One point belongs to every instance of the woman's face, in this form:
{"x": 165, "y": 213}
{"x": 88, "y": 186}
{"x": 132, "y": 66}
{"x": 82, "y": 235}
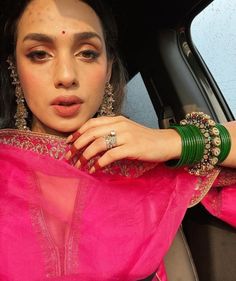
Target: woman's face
{"x": 62, "y": 63}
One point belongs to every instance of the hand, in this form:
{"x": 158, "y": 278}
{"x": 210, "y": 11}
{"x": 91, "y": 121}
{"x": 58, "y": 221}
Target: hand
{"x": 134, "y": 141}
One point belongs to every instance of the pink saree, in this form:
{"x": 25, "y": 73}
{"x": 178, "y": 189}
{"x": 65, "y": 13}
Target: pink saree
{"x": 58, "y": 223}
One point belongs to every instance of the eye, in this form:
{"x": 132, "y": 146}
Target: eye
{"x": 89, "y": 55}
{"x": 38, "y": 56}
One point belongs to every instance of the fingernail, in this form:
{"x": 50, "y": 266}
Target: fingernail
{"x": 73, "y": 150}
{"x": 83, "y": 160}
{"x": 95, "y": 168}
{"x": 92, "y": 170}
{"x": 73, "y": 137}
{"x": 71, "y": 153}
{"x": 69, "y": 139}
{"x": 68, "y": 155}
{"x": 78, "y": 165}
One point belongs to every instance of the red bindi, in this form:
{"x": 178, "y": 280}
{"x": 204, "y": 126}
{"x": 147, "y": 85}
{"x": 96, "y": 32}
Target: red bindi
{"x": 63, "y": 32}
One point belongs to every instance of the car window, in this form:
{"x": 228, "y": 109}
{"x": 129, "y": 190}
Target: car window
{"x": 213, "y": 32}
{"x": 137, "y": 104}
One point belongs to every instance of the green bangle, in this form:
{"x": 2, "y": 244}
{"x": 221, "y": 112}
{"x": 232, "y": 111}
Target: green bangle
{"x": 180, "y": 162}
{"x": 193, "y": 144}
{"x": 212, "y": 141}
{"x": 225, "y": 143}
{"x": 199, "y": 146}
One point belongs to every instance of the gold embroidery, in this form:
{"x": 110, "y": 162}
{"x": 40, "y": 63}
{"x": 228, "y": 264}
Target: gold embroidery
{"x": 129, "y": 168}
{"x": 203, "y": 186}
{"x": 226, "y": 177}
{"x": 216, "y": 201}
{"x": 56, "y": 148}
{"x": 43, "y": 144}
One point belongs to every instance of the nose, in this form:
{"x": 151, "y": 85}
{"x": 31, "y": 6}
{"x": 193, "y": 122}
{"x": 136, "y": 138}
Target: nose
{"x": 65, "y": 75}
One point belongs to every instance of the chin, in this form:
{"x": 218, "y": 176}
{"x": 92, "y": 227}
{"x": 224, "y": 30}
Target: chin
{"x": 66, "y": 128}
{"x": 62, "y": 131}
{"x": 59, "y": 126}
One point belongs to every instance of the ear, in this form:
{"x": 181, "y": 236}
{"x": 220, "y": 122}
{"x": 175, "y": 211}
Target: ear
{"x": 109, "y": 69}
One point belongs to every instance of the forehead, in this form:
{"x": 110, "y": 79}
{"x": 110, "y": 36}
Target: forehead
{"x": 56, "y": 15}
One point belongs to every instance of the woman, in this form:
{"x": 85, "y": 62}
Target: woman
{"x": 80, "y": 201}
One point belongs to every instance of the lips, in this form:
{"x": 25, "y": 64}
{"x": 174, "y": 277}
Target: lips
{"x": 66, "y": 106}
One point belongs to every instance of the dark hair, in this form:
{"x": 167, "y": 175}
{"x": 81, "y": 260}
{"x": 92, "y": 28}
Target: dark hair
{"x": 11, "y": 12}
{"x": 119, "y": 75}
{"x": 9, "y": 18}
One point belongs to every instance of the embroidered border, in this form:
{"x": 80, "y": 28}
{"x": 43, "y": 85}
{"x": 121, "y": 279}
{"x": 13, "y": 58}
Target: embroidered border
{"x": 56, "y": 148}
{"x": 203, "y": 186}
{"x": 226, "y": 177}
{"x": 42, "y": 144}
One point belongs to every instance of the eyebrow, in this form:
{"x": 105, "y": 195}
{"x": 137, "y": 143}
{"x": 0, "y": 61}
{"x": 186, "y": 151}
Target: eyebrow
{"x": 86, "y": 36}
{"x": 40, "y": 37}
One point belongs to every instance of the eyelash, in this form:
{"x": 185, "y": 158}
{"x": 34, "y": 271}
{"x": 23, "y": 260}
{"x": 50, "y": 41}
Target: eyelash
{"x": 40, "y": 55}
{"x": 89, "y": 55}
{"x": 37, "y": 56}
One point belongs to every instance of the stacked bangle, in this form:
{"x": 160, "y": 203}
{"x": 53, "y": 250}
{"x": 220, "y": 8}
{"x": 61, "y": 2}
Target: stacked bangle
{"x": 212, "y": 141}
{"x": 193, "y": 145}
{"x": 225, "y": 143}
{"x": 204, "y": 143}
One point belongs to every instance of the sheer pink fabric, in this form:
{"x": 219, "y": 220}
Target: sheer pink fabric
{"x": 221, "y": 199}
{"x": 58, "y": 223}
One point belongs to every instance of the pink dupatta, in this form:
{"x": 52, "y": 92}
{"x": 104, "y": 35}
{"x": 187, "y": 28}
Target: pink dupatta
{"x": 59, "y": 223}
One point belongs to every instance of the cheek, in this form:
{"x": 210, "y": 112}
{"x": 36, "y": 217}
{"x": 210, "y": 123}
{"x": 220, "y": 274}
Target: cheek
{"x": 33, "y": 86}
{"x": 97, "y": 89}
{"x": 96, "y": 80}
{"x": 29, "y": 80}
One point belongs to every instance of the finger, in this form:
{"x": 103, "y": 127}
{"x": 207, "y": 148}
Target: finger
{"x": 95, "y": 148}
{"x": 90, "y": 136}
{"x": 109, "y": 157}
{"x": 99, "y": 146}
{"x": 99, "y": 121}
{"x": 93, "y": 123}
{"x": 81, "y": 162}
{"x": 73, "y": 137}
{"x": 97, "y": 166}
{"x": 71, "y": 153}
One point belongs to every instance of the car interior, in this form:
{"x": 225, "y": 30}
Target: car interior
{"x": 155, "y": 43}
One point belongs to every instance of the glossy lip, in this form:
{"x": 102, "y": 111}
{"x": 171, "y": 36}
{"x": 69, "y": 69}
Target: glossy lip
{"x": 66, "y": 106}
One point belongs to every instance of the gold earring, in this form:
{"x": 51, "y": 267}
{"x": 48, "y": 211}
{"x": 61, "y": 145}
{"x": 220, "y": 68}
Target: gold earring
{"x": 106, "y": 108}
{"x": 21, "y": 111}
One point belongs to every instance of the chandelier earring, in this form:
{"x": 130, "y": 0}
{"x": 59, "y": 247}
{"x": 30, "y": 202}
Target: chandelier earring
{"x": 106, "y": 108}
{"x": 21, "y": 111}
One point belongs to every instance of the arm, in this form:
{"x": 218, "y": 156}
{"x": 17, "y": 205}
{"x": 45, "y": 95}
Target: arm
{"x": 133, "y": 141}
